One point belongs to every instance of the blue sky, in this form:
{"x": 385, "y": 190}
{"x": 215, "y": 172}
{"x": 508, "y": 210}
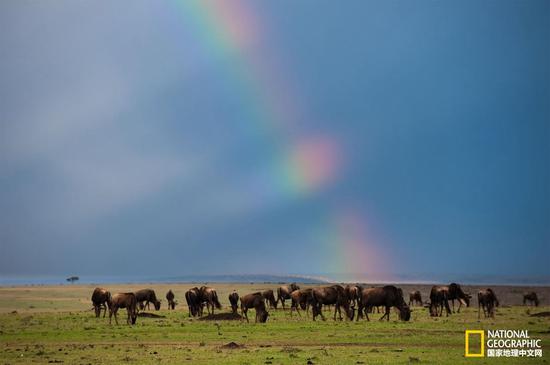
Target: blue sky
{"x": 125, "y": 143}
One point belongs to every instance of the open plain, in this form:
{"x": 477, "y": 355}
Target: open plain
{"x": 55, "y": 324}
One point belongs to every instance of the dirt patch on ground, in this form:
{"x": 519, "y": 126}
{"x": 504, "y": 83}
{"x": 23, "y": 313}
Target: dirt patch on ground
{"x": 222, "y": 317}
{"x": 540, "y": 314}
{"x": 232, "y": 346}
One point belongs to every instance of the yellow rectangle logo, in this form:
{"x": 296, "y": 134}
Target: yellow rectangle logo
{"x": 467, "y": 352}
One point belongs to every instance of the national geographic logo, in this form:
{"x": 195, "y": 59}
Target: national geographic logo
{"x": 501, "y": 343}
{"x": 474, "y": 333}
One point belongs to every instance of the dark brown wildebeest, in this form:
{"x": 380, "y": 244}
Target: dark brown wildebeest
{"x": 415, "y": 297}
{"x": 269, "y": 298}
{"x": 210, "y": 297}
{"x": 194, "y": 302}
{"x": 234, "y": 300}
{"x": 101, "y": 298}
{"x": 283, "y": 292}
{"x": 301, "y": 298}
{"x": 335, "y": 294}
{"x": 147, "y": 296}
{"x": 439, "y": 298}
{"x": 124, "y": 300}
{"x": 256, "y": 301}
{"x": 170, "y": 298}
{"x": 487, "y": 300}
{"x": 387, "y": 296}
{"x": 353, "y": 292}
{"x": 531, "y": 297}
{"x": 455, "y": 292}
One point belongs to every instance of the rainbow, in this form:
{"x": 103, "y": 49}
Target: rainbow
{"x": 231, "y": 33}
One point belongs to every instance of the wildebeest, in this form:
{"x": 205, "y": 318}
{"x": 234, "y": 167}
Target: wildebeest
{"x": 234, "y": 300}
{"x": 335, "y": 294}
{"x": 170, "y": 299}
{"x": 415, "y": 297}
{"x": 353, "y": 293}
{"x": 147, "y": 296}
{"x": 301, "y": 298}
{"x": 439, "y": 298}
{"x": 269, "y": 298}
{"x": 283, "y": 292}
{"x": 387, "y": 296}
{"x": 101, "y": 298}
{"x": 194, "y": 302}
{"x": 486, "y": 300}
{"x": 455, "y": 292}
{"x": 124, "y": 300}
{"x": 210, "y": 297}
{"x": 256, "y": 301}
{"x": 531, "y": 297}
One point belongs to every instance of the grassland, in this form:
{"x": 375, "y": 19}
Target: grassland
{"x": 56, "y": 325}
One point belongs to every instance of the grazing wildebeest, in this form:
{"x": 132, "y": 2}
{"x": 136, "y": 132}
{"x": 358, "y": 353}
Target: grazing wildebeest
{"x": 101, "y": 298}
{"x": 301, "y": 298}
{"x": 147, "y": 296}
{"x": 194, "y": 302}
{"x": 387, "y": 296}
{"x": 170, "y": 298}
{"x": 335, "y": 294}
{"x": 124, "y": 300}
{"x": 234, "y": 300}
{"x": 210, "y": 297}
{"x": 353, "y": 292}
{"x": 283, "y": 292}
{"x": 269, "y": 298}
{"x": 487, "y": 300}
{"x": 415, "y": 297}
{"x": 531, "y": 297}
{"x": 455, "y": 292}
{"x": 439, "y": 298}
{"x": 256, "y": 301}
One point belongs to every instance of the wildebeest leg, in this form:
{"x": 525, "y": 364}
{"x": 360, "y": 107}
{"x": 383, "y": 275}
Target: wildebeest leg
{"x": 337, "y": 308}
{"x": 104, "y": 310}
{"x": 321, "y": 311}
{"x": 116, "y": 318}
{"x": 387, "y": 314}
{"x": 478, "y": 310}
{"x": 128, "y": 320}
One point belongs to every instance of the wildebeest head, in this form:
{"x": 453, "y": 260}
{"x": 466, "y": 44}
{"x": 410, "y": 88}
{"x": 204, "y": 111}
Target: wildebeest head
{"x": 263, "y": 316}
{"x": 157, "y": 305}
{"x": 405, "y": 313}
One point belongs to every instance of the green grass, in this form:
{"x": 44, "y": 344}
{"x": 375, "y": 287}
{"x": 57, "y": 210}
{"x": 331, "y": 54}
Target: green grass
{"x": 79, "y": 338}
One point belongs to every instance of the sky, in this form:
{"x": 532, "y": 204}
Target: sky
{"x": 371, "y": 138}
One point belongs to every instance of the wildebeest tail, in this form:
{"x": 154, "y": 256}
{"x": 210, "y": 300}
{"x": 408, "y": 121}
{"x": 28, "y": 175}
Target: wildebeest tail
{"x": 216, "y": 301}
